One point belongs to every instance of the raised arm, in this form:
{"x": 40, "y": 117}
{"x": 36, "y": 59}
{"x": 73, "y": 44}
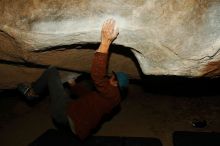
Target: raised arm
{"x": 109, "y": 33}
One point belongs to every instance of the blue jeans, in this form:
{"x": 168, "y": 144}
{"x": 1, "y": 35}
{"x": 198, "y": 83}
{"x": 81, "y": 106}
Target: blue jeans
{"x": 51, "y": 81}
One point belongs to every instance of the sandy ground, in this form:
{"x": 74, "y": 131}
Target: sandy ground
{"x": 145, "y": 112}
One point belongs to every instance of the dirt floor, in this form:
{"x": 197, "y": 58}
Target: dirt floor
{"x": 154, "y": 109}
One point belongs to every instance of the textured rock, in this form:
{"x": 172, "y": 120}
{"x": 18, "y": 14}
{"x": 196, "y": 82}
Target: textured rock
{"x": 168, "y": 37}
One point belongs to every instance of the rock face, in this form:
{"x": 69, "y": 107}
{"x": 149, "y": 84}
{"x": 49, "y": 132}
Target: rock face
{"x": 167, "y": 37}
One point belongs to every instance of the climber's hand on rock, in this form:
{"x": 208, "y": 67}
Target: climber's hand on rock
{"x": 109, "y": 31}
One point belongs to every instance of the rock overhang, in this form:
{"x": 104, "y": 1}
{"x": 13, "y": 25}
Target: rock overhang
{"x": 167, "y": 37}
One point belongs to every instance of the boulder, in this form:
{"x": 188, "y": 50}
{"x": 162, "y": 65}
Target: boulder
{"x": 166, "y": 37}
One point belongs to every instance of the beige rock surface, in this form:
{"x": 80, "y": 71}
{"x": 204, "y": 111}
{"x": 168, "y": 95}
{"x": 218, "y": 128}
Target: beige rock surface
{"x": 167, "y": 37}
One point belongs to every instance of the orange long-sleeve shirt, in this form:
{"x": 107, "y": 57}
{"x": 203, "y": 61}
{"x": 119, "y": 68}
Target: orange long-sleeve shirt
{"x": 87, "y": 111}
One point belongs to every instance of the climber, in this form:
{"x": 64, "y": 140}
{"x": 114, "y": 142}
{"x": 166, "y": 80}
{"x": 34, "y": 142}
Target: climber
{"x": 83, "y": 114}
